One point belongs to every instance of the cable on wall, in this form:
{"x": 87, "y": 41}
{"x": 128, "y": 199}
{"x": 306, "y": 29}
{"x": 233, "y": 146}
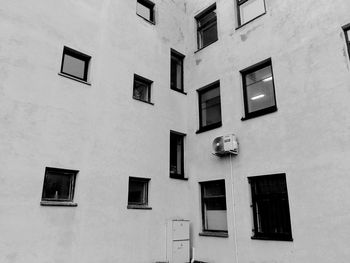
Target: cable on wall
{"x": 233, "y": 211}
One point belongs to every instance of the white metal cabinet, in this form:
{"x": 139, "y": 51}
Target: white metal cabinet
{"x": 178, "y": 241}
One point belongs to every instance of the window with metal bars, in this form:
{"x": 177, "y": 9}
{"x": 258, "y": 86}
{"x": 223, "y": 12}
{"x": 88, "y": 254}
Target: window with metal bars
{"x": 248, "y": 10}
{"x": 270, "y": 207}
{"x": 207, "y": 31}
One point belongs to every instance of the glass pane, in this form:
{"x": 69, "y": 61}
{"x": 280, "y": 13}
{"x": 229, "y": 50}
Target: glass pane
{"x": 273, "y": 216}
{"x": 270, "y": 185}
{"x": 176, "y": 73}
{"x": 209, "y": 35}
{"x": 260, "y": 89}
{"x": 214, "y": 189}
{"x": 57, "y": 186}
{"x": 137, "y": 192}
{"x": 263, "y": 74}
{"x": 211, "y": 16}
{"x": 143, "y": 11}
{"x": 210, "y": 107}
{"x": 176, "y": 145}
{"x": 348, "y": 35}
{"x": 215, "y": 207}
{"x": 251, "y": 9}
{"x": 73, "y": 66}
{"x": 216, "y": 220}
{"x": 141, "y": 91}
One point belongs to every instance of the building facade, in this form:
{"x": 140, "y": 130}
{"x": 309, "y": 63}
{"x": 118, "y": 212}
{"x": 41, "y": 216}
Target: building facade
{"x": 108, "y": 112}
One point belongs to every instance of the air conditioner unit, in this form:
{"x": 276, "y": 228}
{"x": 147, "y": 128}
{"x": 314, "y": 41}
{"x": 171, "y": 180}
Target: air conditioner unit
{"x": 224, "y": 145}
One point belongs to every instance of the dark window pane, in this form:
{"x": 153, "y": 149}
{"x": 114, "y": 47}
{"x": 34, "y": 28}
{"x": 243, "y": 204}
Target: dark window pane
{"x": 209, "y": 35}
{"x": 176, "y": 73}
{"x": 210, "y": 107}
{"x": 176, "y": 151}
{"x": 207, "y": 27}
{"x": 218, "y": 203}
{"x": 142, "y": 89}
{"x": 347, "y": 32}
{"x": 138, "y": 191}
{"x": 58, "y": 185}
{"x": 206, "y": 19}
{"x": 214, "y": 189}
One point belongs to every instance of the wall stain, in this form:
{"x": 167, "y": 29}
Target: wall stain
{"x": 11, "y": 257}
{"x": 198, "y": 61}
{"x": 244, "y": 37}
{"x": 166, "y": 40}
{"x": 345, "y": 55}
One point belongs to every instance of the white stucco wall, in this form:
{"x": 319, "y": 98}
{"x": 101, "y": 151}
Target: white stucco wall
{"x": 307, "y": 138}
{"x": 48, "y": 120}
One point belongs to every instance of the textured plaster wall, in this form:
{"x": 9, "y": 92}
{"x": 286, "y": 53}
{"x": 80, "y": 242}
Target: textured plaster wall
{"x": 49, "y": 120}
{"x": 307, "y": 138}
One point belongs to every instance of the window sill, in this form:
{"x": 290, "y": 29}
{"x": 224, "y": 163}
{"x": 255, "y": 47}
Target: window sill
{"x": 259, "y": 113}
{"x": 209, "y": 127}
{"x": 144, "y": 207}
{"x": 180, "y": 91}
{"x": 205, "y": 46}
{"x": 178, "y": 176}
{"x": 250, "y": 21}
{"x": 272, "y": 238}
{"x": 148, "y": 102}
{"x": 76, "y": 79}
{"x": 58, "y": 203}
{"x": 214, "y": 234}
{"x": 149, "y": 21}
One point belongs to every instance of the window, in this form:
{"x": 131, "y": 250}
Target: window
{"x": 176, "y": 71}
{"x": 209, "y": 107}
{"x": 346, "y": 29}
{"x": 207, "y": 31}
{"x": 145, "y": 9}
{"x": 75, "y": 64}
{"x": 177, "y": 155}
{"x": 138, "y": 193}
{"x": 58, "y": 187}
{"x": 249, "y": 10}
{"x": 258, "y": 90}
{"x": 270, "y": 207}
{"x": 142, "y": 89}
{"x": 214, "y": 206}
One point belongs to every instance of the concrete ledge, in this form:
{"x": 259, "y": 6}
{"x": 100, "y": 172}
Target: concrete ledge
{"x": 214, "y": 234}
{"x": 58, "y": 203}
